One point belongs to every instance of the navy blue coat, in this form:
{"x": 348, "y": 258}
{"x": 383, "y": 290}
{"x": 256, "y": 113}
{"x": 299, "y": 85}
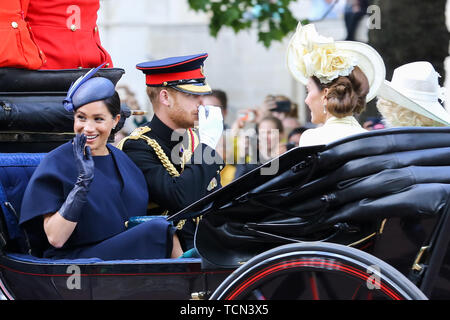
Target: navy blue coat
{"x": 117, "y": 192}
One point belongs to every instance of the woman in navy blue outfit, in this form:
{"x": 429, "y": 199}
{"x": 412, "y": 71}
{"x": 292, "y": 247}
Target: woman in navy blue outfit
{"x": 80, "y": 196}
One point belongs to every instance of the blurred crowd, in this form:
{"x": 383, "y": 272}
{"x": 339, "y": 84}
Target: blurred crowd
{"x": 255, "y": 136}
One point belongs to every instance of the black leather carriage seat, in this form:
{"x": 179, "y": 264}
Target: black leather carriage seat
{"x": 31, "y": 100}
{"x": 15, "y": 172}
{"x": 56, "y": 81}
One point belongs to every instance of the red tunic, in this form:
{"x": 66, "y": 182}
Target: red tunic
{"x": 67, "y": 33}
{"x": 17, "y": 48}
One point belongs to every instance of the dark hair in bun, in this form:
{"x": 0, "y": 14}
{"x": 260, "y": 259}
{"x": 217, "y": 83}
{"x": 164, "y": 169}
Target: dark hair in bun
{"x": 346, "y": 95}
{"x": 113, "y": 104}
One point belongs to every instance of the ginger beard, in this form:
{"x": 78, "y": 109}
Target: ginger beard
{"x": 183, "y": 110}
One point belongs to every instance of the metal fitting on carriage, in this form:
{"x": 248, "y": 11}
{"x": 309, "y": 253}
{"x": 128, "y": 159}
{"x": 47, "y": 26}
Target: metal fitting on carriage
{"x": 6, "y": 106}
{"x": 418, "y": 266}
{"x": 201, "y": 295}
{"x": 329, "y": 198}
{"x": 344, "y": 226}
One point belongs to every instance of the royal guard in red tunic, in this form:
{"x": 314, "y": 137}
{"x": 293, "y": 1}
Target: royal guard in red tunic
{"x": 67, "y": 33}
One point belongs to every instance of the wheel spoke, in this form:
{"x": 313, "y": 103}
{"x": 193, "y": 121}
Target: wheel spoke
{"x": 325, "y": 283}
{"x": 313, "y": 284}
{"x": 355, "y": 294}
{"x": 258, "y": 295}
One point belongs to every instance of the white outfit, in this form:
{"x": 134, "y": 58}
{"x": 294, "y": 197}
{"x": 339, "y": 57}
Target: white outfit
{"x": 333, "y": 129}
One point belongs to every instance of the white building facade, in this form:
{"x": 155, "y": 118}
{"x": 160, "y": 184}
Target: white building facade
{"x": 134, "y": 31}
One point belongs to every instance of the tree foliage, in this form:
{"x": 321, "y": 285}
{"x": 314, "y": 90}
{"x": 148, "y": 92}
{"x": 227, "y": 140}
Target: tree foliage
{"x": 272, "y": 18}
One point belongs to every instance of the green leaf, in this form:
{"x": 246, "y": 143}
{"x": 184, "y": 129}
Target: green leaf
{"x": 231, "y": 15}
{"x": 198, "y": 4}
{"x": 265, "y": 38}
{"x": 215, "y": 25}
{"x": 274, "y": 14}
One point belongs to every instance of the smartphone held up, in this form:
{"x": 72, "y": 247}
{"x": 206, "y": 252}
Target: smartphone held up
{"x": 247, "y": 116}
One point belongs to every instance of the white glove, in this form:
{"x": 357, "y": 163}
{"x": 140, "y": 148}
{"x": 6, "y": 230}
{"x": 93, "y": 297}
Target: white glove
{"x": 210, "y": 125}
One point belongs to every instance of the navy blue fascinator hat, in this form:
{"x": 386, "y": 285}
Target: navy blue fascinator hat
{"x": 87, "y": 89}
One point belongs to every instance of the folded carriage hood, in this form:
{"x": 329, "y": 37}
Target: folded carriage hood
{"x": 356, "y": 182}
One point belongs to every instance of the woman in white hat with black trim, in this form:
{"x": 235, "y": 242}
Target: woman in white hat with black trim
{"x": 412, "y": 97}
{"x": 340, "y": 77}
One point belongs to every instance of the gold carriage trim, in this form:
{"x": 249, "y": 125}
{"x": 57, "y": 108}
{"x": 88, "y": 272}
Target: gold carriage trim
{"x": 380, "y": 231}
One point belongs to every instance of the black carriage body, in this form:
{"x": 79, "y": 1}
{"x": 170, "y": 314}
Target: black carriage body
{"x": 32, "y": 123}
{"x": 308, "y": 198}
{"x": 24, "y": 277}
{"x": 385, "y": 192}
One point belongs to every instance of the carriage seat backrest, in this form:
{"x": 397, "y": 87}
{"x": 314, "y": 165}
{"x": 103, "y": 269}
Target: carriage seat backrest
{"x": 15, "y": 172}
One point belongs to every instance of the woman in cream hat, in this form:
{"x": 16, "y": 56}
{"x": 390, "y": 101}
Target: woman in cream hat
{"x": 340, "y": 77}
{"x": 412, "y": 97}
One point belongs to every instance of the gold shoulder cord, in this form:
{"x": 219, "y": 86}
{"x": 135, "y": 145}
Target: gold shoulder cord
{"x": 138, "y": 133}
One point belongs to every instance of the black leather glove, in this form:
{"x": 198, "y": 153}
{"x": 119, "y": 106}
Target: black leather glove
{"x": 72, "y": 207}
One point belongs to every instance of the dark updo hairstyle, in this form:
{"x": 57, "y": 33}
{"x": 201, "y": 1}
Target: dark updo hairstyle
{"x": 113, "y": 105}
{"x": 346, "y": 95}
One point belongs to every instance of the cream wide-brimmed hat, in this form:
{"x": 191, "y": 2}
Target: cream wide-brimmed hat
{"x": 415, "y": 86}
{"x": 310, "y": 54}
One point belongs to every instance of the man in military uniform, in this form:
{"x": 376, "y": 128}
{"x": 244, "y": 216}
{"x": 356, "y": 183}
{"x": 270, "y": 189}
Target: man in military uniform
{"x": 179, "y": 163}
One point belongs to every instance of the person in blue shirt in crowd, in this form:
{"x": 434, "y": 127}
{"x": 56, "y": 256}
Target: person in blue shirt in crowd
{"x": 80, "y": 197}
{"x": 324, "y": 9}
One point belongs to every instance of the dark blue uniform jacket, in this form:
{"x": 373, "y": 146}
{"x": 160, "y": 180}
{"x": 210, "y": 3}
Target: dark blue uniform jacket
{"x": 174, "y": 193}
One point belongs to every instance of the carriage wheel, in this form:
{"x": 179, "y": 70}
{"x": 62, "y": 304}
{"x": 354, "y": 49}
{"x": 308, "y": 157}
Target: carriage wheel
{"x": 316, "y": 271}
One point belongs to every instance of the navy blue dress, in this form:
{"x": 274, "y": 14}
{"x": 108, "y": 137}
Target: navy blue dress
{"x": 117, "y": 192}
